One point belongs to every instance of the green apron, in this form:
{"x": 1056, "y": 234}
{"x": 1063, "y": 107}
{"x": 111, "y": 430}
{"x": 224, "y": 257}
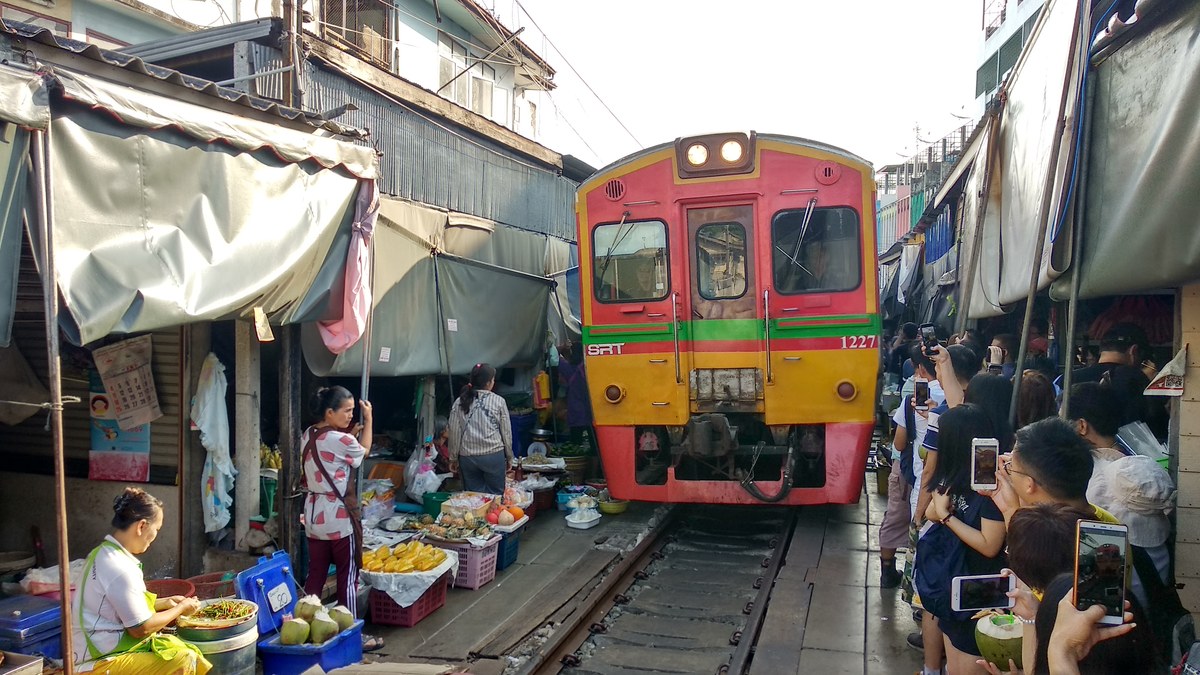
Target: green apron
{"x": 165, "y": 646}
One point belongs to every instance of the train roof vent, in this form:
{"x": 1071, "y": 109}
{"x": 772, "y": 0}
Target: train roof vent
{"x": 828, "y": 173}
{"x": 614, "y": 189}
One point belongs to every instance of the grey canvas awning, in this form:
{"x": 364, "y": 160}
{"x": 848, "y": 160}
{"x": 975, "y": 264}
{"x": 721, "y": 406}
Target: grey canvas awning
{"x": 1143, "y": 191}
{"x": 201, "y": 225}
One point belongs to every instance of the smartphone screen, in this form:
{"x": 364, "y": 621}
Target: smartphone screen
{"x": 921, "y": 393}
{"x": 1100, "y": 555}
{"x": 984, "y": 455}
{"x": 982, "y": 592}
{"x": 929, "y": 336}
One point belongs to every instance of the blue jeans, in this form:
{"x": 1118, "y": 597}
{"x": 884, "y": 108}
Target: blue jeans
{"x": 483, "y": 473}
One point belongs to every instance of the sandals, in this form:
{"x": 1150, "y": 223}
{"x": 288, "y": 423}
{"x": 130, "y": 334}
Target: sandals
{"x": 371, "y": 643}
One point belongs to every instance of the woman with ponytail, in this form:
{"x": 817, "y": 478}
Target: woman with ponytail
{"x": 332, "y": 449}
{"x": 116, "y": 621}
{"x": 481, "y": 433}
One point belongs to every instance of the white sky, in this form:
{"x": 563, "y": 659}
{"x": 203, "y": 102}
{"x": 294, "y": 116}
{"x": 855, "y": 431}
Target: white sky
{"x": 858, "y": 74}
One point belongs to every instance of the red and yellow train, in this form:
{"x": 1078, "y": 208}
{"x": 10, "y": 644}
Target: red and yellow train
{"x": 731, "y": 325}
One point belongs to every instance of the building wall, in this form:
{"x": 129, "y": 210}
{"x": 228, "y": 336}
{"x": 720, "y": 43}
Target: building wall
{"x": 1018, "y": 22}
{"x": 1187, "y": 545}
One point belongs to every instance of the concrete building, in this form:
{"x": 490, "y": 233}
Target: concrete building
{"x": 1006, "y": 26}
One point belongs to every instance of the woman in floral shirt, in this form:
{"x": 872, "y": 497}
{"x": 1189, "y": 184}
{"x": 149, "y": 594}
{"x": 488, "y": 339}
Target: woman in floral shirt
{"x": 331, "y": 451}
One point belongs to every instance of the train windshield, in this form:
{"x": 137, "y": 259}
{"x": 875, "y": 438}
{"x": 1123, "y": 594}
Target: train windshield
{"x": 630, "y": 261}
{"x": 824, "y": 257}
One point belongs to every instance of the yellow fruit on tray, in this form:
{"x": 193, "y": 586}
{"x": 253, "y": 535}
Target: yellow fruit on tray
{"x": 382, "y": 552}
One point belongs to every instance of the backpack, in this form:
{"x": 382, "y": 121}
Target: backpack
{"x": 940, "y": 557}
{"x": 1170, "y": 622}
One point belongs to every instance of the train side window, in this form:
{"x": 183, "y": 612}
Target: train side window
{"x": 823, "y": 257}
{"x": 629, "y": 262}
{"x": 721, "y": 260}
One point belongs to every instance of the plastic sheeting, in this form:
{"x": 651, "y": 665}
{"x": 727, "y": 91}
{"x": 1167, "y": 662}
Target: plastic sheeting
{"x": 193, "y": 231}
{"x": 484, "y": 296}
{"x": 1024, "y": 142}
{"x": 1143, "y": 191}
{"x": 14, "y": 178}
{"x": 23, "y": 98}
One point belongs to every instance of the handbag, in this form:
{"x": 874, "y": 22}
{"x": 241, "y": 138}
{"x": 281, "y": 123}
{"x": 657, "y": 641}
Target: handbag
{"x": 349, "y": 499}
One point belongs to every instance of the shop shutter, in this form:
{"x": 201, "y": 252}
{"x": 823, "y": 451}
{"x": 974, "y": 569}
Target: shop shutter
{"x": 28, "y": 445}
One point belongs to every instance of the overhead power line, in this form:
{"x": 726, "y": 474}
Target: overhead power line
{"x": 577, "y": 74}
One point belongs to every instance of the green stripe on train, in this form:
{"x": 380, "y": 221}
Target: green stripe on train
{"x": 735, "y": 330}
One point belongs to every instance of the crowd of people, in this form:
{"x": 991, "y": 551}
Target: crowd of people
{"x": 1055, "y": 468}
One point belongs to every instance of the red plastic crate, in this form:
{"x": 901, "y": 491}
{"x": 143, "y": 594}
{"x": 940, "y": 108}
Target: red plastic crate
{"x": 385, "y": 611}
{"x": 476, "y": 566}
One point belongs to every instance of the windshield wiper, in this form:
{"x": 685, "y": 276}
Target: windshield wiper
{"x": 812, "y": 204}
{"x": 611, "y": 249}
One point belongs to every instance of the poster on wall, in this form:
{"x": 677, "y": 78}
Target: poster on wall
{"x": 128, "y": 378}
{"x": 117, "y": 454}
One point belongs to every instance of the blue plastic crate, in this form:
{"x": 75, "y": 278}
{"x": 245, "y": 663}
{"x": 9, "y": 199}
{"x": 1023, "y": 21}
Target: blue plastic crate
{"x": 342, "y": 650}
{"x": 47, "y": 644}
{"x": 509, "y": 543}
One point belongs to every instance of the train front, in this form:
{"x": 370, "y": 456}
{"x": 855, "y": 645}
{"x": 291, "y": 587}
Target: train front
{"x": 731, "y": 325}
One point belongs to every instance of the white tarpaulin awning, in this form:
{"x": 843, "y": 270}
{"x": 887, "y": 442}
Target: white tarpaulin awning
{"x": 1024, "y": 142}
{"x": 23, "y": 98}
{"x": 198, "y": 226}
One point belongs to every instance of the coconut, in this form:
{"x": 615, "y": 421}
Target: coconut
{"x": 293, "y": 632}
{"x": 308, "y": 606}
{"x": 342, "y": 616}
{"x": 998, "y": 637}
{"x": 323, "y": 628}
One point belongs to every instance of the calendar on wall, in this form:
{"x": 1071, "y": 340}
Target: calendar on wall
{"x": 125, "y": 369}
{"x": 117, "y": 454}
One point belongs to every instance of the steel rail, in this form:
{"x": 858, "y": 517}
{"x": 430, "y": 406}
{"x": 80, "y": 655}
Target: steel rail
{"x": 745, "y": 647}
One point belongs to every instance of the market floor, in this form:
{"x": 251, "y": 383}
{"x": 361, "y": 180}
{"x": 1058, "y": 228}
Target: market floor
{"x": 827, "y": 613}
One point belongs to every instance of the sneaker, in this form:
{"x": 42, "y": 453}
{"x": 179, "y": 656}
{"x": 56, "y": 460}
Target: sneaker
{"x": 916, "y": 641}
{"x": 889, "y": 577}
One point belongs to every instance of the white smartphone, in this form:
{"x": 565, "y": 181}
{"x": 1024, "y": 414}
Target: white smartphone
{"x": 921, "y": 394}
{"x": 985, "y": 453}
{"x": 984, "y": 591}
{"x": 1101, "y": 552}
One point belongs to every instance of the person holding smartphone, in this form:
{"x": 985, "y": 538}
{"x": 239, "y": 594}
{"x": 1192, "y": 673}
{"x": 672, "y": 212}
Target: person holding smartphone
{"x": 969, "y": 516}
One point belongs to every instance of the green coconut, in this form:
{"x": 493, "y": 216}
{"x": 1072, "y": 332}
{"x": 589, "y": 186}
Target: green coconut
{"x": 342, "y": 616}
{"x": 293, "y": 632}
{"x": 998, "y": 637}
{"x": 308, "y": 606}
{"x": 322, "y": 628}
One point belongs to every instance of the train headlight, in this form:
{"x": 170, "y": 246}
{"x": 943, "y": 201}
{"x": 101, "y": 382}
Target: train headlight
{"x": 613, "y": 393}
{"x": 846, "y": 390}
{"x": 732, "y": 151}
{"x": 697, "y": 154}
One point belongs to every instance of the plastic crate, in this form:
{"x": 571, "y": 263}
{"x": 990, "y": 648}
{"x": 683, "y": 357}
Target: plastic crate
{"x": 344, "y": 649}
{"x": 476, "y": 566}
{"x": 214, "y": 585}
{"x": 48, "y": 645}
{"x": 507, "y": 555}
{"x": 385, "y": 611}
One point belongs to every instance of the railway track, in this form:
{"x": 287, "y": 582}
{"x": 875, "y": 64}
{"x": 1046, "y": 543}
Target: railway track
{"x": 691, "y": 601}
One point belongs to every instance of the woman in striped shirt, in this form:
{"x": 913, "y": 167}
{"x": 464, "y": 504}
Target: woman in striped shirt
{"x": 481, "y": 433}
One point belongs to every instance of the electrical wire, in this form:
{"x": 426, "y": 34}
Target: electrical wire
{"x": 581, "y": 79}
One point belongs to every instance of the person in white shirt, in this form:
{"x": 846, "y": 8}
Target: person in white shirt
{"x": 116, "y": 621}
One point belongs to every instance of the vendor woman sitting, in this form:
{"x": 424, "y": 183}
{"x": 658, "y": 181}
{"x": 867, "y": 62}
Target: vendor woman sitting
{"x": 116, "y": 621}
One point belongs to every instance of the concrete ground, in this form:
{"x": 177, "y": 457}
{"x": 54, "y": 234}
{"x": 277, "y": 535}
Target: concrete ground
{"x": 827, "y": 614}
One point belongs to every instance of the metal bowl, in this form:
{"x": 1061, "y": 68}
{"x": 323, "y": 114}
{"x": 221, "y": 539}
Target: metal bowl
{"x": 193, "y": 633}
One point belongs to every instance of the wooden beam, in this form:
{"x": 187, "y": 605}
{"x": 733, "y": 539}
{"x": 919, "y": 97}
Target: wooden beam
{"x": 429, "y": 102}
{"x": 290, "y": 414}
{"x": 247, "y": 405}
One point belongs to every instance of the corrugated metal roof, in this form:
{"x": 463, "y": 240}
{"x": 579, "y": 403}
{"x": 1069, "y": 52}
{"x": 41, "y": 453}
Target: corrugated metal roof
{"x": 432, "y": 161}
{"x": 268, "y": 29}
{"x": 22, "y": 31}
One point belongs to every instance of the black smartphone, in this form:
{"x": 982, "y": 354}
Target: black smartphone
{"x": 929, "y": 337}
{"x": 921, "y": 394}
{"x": 1100, "y": 559}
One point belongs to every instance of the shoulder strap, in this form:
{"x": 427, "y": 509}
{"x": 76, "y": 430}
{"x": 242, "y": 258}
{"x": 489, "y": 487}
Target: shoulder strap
{"x": 310, "y": 450}
{"x": 910, "y": 422}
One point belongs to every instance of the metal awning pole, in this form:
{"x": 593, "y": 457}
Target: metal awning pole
{"x": 45, "y": 199}
{"x": 1077, "y": 250}
{"x": 364, "y": 385}
{"x": 1060, "y": 126}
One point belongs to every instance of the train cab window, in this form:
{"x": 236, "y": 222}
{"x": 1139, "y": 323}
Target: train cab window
{"x": 822, "y": 255}
{"x": 721, "y": 260}
{"x": 629, "y": 261}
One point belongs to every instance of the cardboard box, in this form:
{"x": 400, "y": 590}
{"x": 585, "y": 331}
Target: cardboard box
{"x": 20, "y": 664}
{"x": 460, "y": 503}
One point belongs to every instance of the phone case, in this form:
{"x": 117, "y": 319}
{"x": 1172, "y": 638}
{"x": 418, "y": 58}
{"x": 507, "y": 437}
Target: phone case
{"x": 1109, "y": 556}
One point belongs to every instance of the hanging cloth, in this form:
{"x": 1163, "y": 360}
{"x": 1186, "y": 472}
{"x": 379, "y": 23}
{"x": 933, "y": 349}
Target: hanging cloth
{"x": 211, "y": 417}
{"x": 341, "y": 334}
